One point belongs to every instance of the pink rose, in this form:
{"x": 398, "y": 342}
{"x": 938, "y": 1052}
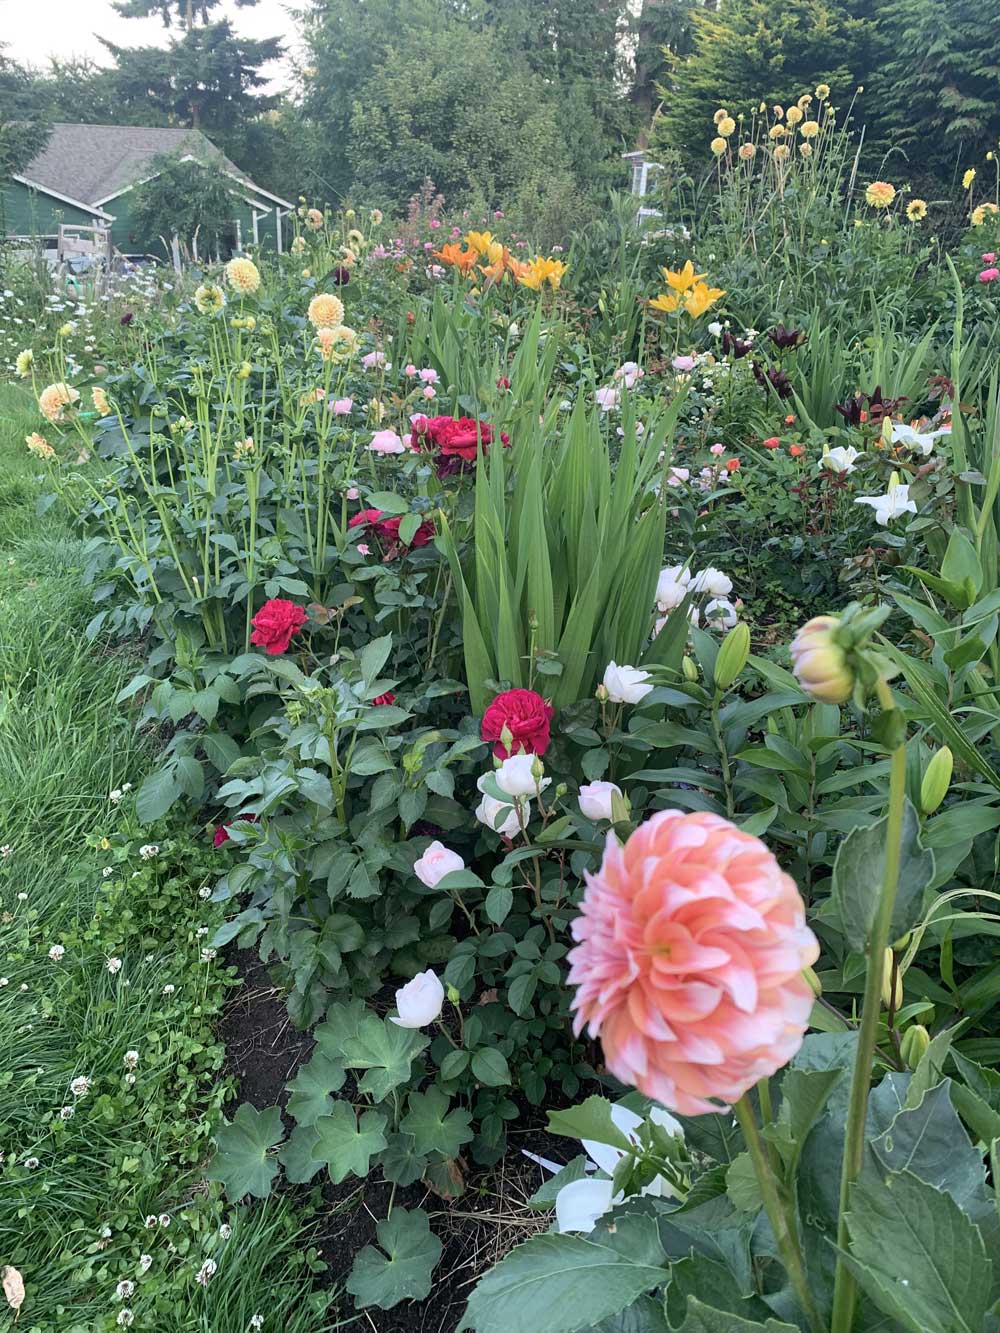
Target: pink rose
{"x": 386, "y": 442}
{"x": 342, "y": 407}
{"x": 989, "y": 275}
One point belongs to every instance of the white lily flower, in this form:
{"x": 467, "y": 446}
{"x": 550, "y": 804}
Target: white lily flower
{"x": 840, "y": 459}
{"x": 915, "y": 439}
{"x": 581, "y": 1203}
{"x": 896, "y": 501}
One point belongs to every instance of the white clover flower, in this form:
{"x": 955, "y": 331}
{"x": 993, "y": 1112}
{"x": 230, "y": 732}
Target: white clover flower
{"x": 169, "y": 989}
{"x": 22, "y": 897}
{"x": 151, "y": 1220}
{"x": 205, "y": 1272}
{"x": 256, "y": 1323}
{"x": 130, "y": 1079}
{"x": 67, "y": 1113}
{"x": 208, "y": 954}
{"x": 124, "y": 1289}
{"x": 130, "y": 1059}
{"x": 105, "y": 1233}
{"x": 205, "y": 892}
{"x": 6, "y": 850}
{"x": 145, "y": 1263}
{"x": 125, "y": 1318}
{"x": 164, "y": 1219}
{"x": 201, "y": 932}
{"x": 108, "y": 871}
{"x": 56, "y": 952}
{"x": 31, "y": 1163}
{"x": 225, "y": 1231}
{"x": 80, "y": 1086}
{"x": 114, "y": 966}
{"x": 115, "y": 796}
{"x": 4, "y": 981}
{"x": 148, "y": 851}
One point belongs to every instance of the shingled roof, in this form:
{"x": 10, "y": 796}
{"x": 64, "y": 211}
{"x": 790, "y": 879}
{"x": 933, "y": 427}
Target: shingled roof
{"x": 93, "y": 163}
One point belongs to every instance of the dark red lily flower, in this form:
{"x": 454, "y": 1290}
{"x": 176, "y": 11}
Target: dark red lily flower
{"x": 736, "y": 347}
{"x": 784, "y": 338}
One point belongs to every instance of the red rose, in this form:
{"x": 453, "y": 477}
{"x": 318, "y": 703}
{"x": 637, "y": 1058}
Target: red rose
{"x": 526, "y": 717}
{"x": 275, "y": 623}
{"x": 222, "y": 832}
{"x": 388, "y": 529}
{"x": 387, "y": 698}
{"x": 454, "y": 438}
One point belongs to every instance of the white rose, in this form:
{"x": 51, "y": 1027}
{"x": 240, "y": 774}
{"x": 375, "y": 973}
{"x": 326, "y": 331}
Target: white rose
{"x": 419, "y": 1002}
{"x": 520, "y": 775}
{"x": 714, "y": 582}
{"x": 436, "y": 862}
{"x": 721, "y": 613}
{"x": 626, "y": 684}
{"x": 596, "y": 798}
{"x": 489, "y": 810}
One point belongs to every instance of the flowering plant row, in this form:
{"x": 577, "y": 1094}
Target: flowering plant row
{"x": 450, "y": 638}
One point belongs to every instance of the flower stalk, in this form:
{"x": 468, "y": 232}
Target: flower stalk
{"x": 845, "y": 1289}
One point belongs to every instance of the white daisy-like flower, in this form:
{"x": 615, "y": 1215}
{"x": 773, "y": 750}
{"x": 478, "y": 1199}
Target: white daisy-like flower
{"x": 151, "y": 1220}
{"x": 164, "y": 1219}
{"x": 114, "y": 966}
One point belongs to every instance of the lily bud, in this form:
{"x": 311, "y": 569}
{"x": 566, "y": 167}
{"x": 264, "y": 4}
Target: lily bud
{"x": 732, "y": 656}
{"x": 892, "y": 996}
{"x": 913, "y": 1047}
{"x": 690, "y": 669}
{"x": 453, "y": 993}
{"x": 820, "y": 663}
{"x": 602, "y": 693}
{"x": 815, "y": 985}
{"x": 936, "y": 781}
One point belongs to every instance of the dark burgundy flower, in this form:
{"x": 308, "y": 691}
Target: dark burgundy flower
{"x": 736, "y": 347}
{"x": 851, "y": 409}
{"x": 387, "y": 530}
{"x": 341, "y": 276}
{"x": 774, "y": 377}
{"x": 275, "y": 623}
{"x": 127, "y": 318}
{"x": 784, "y": 338}
{"x": 222, "y": 832}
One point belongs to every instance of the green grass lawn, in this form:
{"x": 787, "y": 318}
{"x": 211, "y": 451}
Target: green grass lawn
{"x": 111, "y": 1079}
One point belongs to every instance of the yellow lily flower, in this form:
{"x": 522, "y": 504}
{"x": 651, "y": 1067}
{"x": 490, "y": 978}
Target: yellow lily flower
{"x": 683, "y": 278}
{"x": 541, "y": 270}
{"x": 666, "y": 302}
{"x": 701, "y": 298}
{"x": 479, "y": 240}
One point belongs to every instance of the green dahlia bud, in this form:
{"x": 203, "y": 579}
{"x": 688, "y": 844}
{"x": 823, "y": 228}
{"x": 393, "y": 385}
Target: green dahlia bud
{"x": 820, "y": 663}
{"x": 732, "y": 656}
{"x": 936, "y": 781}
{"x": 915, "y": 1041}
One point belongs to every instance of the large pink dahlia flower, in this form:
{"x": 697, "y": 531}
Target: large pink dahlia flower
{"x": 688, "y": 966}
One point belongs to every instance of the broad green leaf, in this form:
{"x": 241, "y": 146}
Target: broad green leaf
{"x": 385, "y": 1050}
{"x": 309, "y": 1092}
{"x": 705, "y": 1280}
{"x": 804, "y": 1094}
{"x": 545, "y": 1195}
{"x": 702, "y": 1318}
{"x": 857, "y": 878}
{"x": 741, "y": 1185}
{"x": 158, "y": 792}
{"x": 298, "y": 1155}
{"x": 643, "y": 1316}
{"x": 433, "y": 1126}
{"x": 489, "y": 1067}
{"x": 243, "y": 1163}
{"x": 929, "y": 1141}
{"x": 917, "y": 1256}
{"x": 347, "y": 1144}
{"x": 559, "y": 1283}
{"x": 590, "y": 1120}
{"x": 374, "y": 656}
{"x": 400, "y": 1162}
{"x": 402, "y": 1269}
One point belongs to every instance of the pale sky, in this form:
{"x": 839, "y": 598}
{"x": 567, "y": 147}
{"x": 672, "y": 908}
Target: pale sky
{"x": 34, "y": 29}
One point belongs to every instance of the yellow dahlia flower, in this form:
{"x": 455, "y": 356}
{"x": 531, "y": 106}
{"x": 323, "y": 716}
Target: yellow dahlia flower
{"x": 916, "y": 210}
{"x": 880, "y": 194}
{"x": 726, "y": 126}
{"x": 209, "y": 299}
{"x": 23, "y": 363}
{"x": 806, "y": 149}
{"x": 100, "y": 401}
{"x": 968, "y": 178}
{"x": 314, "y": 219}
{"x": 720, "y": 115}
{"x": 243, "y": 276}
{"x": 718, "y": 146}
{"x": 810, "y": 128}
{"x": 747, "y": 152}
{"x": 336, "y": 344}
{"x": 794, "y": 115}
{"x": 777, "y": 132}
{"x": 822, "y": 91}
{"x": 39, "y": 446}
{"x": 978, "y": 215}
{"x": 326, "y": 311}
{"x": 53, "y": 400}
{"x": 298, "y": 245}
{"x": 781, "y": 152}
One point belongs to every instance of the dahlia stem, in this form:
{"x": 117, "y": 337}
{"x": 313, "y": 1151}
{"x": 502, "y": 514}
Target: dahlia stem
{"x": 788, "y": 1245}
{"x": 844, "y": 1287}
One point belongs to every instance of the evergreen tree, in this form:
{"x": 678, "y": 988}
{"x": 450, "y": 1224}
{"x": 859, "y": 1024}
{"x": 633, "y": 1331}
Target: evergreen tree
{"x": 185, "y": 13}
{"x": 938, "y": 88}
{"x": 24, "y": 118}
{"x": 770, "y": 50}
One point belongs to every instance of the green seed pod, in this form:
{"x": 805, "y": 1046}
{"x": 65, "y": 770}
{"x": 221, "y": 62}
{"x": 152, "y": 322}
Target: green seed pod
{"x": 892, "y": 997}
{"x": 937, "y": 780}
{"x": 690, "y": 669}
{"x": 733, "y": 654}
{"x": 915, "y": 1041}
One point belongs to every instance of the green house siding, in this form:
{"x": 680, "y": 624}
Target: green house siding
{"x": 27, "y": 212}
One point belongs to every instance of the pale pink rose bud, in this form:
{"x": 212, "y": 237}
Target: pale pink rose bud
{"x": 352, "y": 492}
{"x": 430, "y": 391}
{"x": 596, "y": 799}
{"x": 820, "y": 663}
{"x": 436, "y": 862}
{"x": 386, "y": 442}
{"x": 410, "y": 370}
{"x": 342, "y": 407}
{"x": 419, "y": 1002}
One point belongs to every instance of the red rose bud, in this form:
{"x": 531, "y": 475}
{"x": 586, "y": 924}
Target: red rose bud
{"x": 387, "y": 698}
